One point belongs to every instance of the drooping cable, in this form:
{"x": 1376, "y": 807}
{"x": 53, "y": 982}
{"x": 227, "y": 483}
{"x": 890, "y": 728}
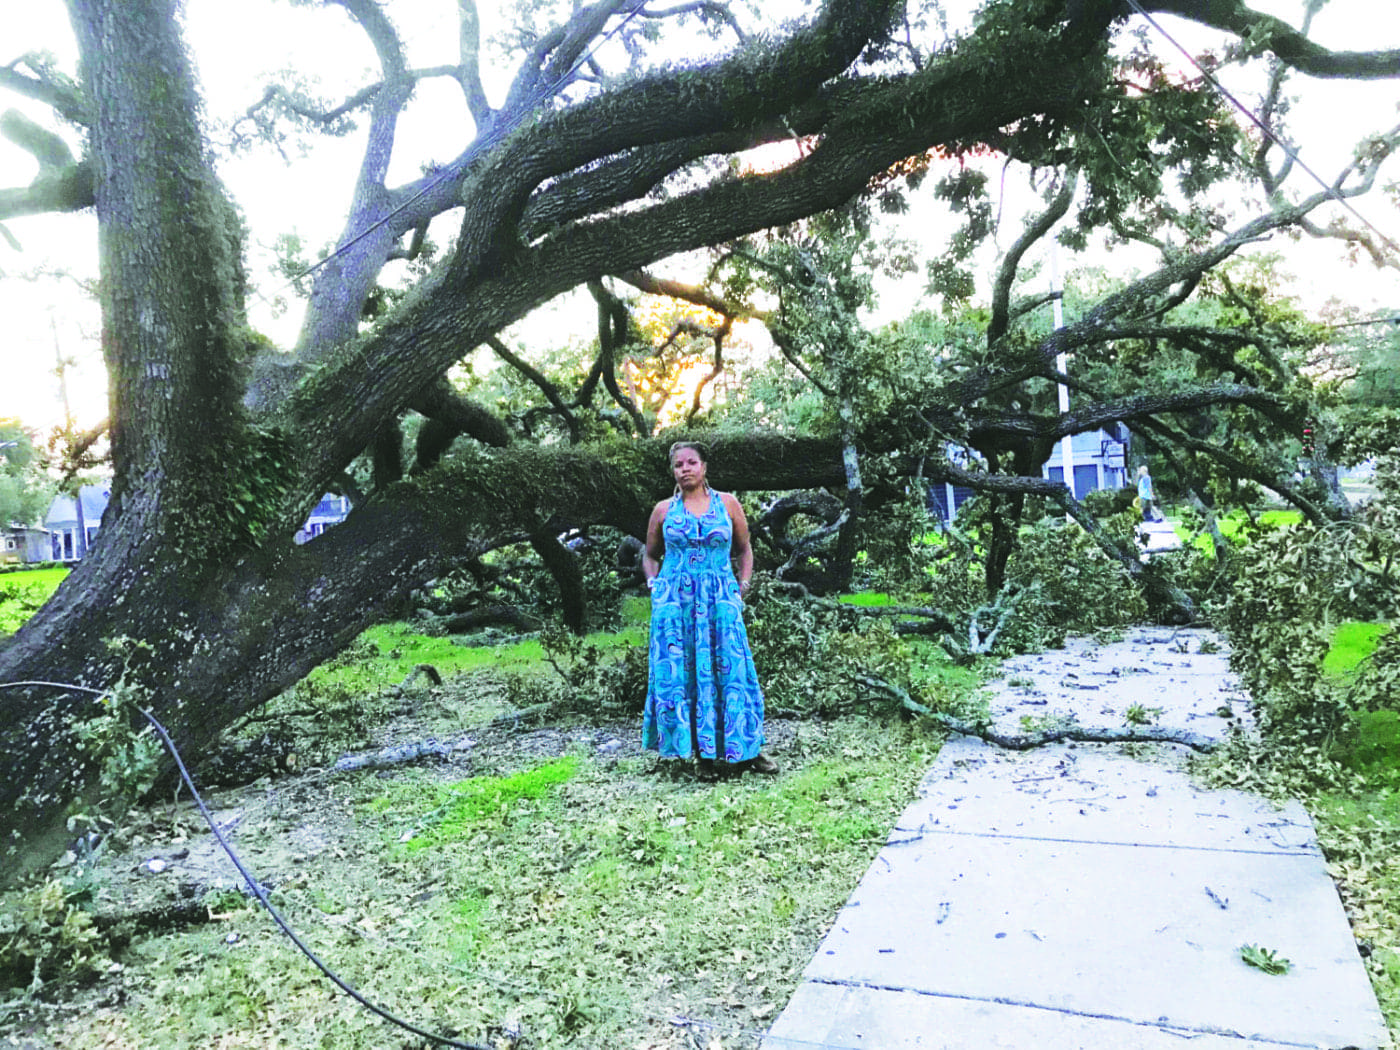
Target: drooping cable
{"x": 254, "y": 886}
{"x": 1292, "y": 153}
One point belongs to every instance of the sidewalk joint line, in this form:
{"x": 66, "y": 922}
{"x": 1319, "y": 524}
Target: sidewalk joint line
{"x": 1006, "y": 1001}
{"x": 1300, "y": 851}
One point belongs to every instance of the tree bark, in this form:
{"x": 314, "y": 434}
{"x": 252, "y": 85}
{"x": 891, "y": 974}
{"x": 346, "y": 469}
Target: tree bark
{"x": 221, "y": 447}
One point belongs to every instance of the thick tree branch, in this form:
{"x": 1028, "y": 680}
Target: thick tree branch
{"x": 63, "y": 96}
{"x": 586, "y": 26}
{"x": 1289, "y": 44}
{"x": 388, "y": 103}
{"x": 469, "y": 69}
{"x": 1081, "y": 734}
{"x": 542, "y": 383}
{"x": 986, "y": 426}
{"x": 43, "y": 145}
{"x": 700, "y": 101}
{"x": 63, "y": 184}
{"x": 453, "y": 415}
{"x": 626, "y": 177}
{"x": 68, "y": 190}
{"x": 613, "y": 324}
{"x": 1035, "y": 230}
{"x": 690, "y": 293}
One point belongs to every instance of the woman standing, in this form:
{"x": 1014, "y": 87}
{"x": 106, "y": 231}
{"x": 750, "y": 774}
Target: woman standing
{"x": 703, "y": 697}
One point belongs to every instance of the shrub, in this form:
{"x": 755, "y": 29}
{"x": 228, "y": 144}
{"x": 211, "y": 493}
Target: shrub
{"x": 1291, "y": 587}
{"x": 1105, "y": 503}
{"x": 1077, "y": 588}
{"x": 18, "y": 604}
{"x": 899, "y": 554}
{"x": 45, "y": 935}
{"x": 827, "y": 657}
{"x": 589, "y": 680}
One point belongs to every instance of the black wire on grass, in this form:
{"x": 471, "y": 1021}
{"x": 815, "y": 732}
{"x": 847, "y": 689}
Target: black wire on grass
{"x": 253, "y": 885}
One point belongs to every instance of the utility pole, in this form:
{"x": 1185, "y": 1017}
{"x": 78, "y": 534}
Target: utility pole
{"x": 1061, "y": 364}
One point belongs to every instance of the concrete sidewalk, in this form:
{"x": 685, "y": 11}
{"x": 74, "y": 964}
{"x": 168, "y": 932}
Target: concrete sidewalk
{"x": 1157, "y": 536}
{"x": 1076, "y": 897}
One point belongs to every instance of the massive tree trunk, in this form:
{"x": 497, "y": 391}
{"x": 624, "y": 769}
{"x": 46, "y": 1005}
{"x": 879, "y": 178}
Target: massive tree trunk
{"x": 220, "y": 447}
{"x": 191, "y": 476}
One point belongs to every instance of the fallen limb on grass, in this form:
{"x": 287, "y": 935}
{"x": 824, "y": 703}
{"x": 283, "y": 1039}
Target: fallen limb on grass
{"x": 1078, "y": 733}
{"x": 399, "y": 755}
{"x": 402, "y": 754}
{"x": 1041, "y": 737}
{"x": 427, "y": 671}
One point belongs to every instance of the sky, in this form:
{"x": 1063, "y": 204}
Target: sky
{"x": 236, "y": 48}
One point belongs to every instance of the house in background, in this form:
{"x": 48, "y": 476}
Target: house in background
{"x": 331, "y": 511}
{"x": 24, "y": 544}
{"x": 1099, "y": 457}
{"x": 73, "y": 521}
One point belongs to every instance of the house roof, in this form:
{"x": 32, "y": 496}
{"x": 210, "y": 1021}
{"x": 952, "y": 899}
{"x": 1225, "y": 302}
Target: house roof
{"x": 64, "y": 510}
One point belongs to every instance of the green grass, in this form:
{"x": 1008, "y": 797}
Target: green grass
{"x": 705, "y": 900}
{"x": 1232, "y": 525}
{"x": 867, "y": 599}
{"x": 456, "y": 811}
{"x": 578, "y": 901}
{"x": 1351, "y": 643}
{"x": 23, "y": 592}
{"x": 1359, "y": 830}
{"x": 385, "y": 655}
{"x": 1373, "y": 749}
{"x": 50, "y": 577}
{"x": 1359, "y": 827}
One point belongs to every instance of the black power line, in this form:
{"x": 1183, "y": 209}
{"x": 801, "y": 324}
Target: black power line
{"x": 1330, "y": 190}
{"x": 254, "y": 886}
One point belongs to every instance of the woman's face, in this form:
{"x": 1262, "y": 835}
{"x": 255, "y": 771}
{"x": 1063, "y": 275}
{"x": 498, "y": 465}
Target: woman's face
{"x": 688, "y": 469}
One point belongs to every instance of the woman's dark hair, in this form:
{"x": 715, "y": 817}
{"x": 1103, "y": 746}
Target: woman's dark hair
{"x": 699, "y": 449}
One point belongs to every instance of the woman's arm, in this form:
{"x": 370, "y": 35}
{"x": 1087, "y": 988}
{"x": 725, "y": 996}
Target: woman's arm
{"x": 655, "y": 548}
{"x": 741, "y": 550}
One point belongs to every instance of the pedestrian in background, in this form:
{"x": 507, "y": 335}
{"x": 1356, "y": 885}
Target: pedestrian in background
{"x": 1146, "y": 499}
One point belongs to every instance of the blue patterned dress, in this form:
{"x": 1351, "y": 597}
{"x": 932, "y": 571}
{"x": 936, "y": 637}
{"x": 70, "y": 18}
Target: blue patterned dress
{"x": 703, "y": 697}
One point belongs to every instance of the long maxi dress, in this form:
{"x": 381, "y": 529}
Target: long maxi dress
{"x": 703, "y": 697}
